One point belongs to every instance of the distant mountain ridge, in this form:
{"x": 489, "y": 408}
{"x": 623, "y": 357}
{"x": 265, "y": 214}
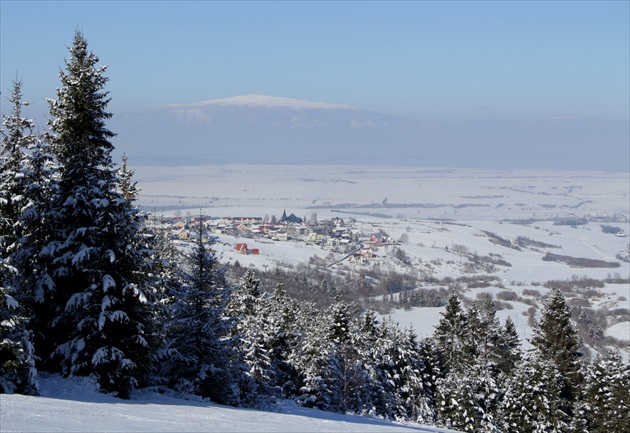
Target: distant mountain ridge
{"x": 254, "y": 100}
{"x": 262, "y": 129}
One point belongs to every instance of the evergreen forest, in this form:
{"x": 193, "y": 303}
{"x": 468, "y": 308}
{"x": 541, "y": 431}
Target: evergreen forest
{"x": 85, "y": 290}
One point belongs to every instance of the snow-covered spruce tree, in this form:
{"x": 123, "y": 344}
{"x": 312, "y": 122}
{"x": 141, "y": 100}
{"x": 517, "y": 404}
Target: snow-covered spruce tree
{"x": 509, "y": 349}
{"x": 17, "y": 367}
{"x": 95, "y": 315}
{"x": 466, "y": 397}
{"x": 532, "y": 402}
{"x": 348, "y": 377}
{"x": 411, "y": 396}
{"x": 383, "y": 369}
{"x": 456, "y": 403}
{"x": 555, "y": 339}
{"x": 199, "y": 337}
{"x": 451, "y": 338}
{"x": 432, "y": 373}
{"x": 486, "y": 333}
{"x": 372, "y": 343}
{"x": 499, "y": 354}
{"x": 17, "y": 372}
{"x": 16, "y": 138}
{"x": 606, "y": 395}
{"x": 288, "y": 320}
{"x": 34, "y": 224}
{"x": 469, "y": 395}
{"x": 316, "y": 365}
{"x": 249, "y": 309}
{"x": 394, "y": 382}
{"x": 164, "y": 263}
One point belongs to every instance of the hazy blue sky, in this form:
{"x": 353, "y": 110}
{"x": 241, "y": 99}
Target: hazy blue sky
{"x": 434, "y": 60}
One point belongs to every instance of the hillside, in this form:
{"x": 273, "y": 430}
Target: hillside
{"x": 76, "y": 405}
{"x": 471, "y": 230}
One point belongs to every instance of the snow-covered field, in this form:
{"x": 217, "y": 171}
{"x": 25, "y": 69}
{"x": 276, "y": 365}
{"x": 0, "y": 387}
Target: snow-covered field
{"x": 75, "y": 406}
{"x": 438, "y": 210}
{"x": 459, "y": 194}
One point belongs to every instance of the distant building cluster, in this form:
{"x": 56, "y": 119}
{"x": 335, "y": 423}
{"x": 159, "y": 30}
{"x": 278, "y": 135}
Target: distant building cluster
{"x": 335, "y": 232}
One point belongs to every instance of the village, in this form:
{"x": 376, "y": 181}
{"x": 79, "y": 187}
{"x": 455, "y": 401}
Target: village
{"x": 336, "y": 234}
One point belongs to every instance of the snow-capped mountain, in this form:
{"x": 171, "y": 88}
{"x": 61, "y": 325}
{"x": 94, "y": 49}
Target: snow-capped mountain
{"x": 276, "y": 130}
{"x": 268, "y": 101}
{"x": 265, "y": 129}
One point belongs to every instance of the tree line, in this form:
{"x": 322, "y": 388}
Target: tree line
{"x": 85, "y": 291}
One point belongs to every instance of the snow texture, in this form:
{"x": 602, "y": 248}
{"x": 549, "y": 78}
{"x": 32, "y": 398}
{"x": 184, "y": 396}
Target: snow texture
{"x": 75, "y": 405}
{"x": 436, "y": 208}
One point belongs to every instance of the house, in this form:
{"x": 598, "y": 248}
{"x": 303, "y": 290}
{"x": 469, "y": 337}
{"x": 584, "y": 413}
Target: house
{"x": 242, "y": 228}
{"x": 282, "y": 236}
{"x": 316, "y": 238}
{"x": 295, "y": 229}
{"x": 333, "y": 242}
{"x": 362, "y": 256}
{"x": 179, "y": 225}
{"x": 242, "y": 249}
{"x": 377, "y": 239}
{"x": 338, "y": 222}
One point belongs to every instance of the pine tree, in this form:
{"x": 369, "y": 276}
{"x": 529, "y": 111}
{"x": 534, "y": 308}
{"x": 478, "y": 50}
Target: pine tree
{"x": 555, "y": 339}
{"x": 199, "y": 337}
{"x": 95, "y": 315}
{"x": 432, "y": 372}
{"x": 349, "y": 379}
{"x": 249, "y": 309}
{"x": 380, "y": 362}
{"x": 509, "y": 349}
{"x": 488, "y": 337}
{"x": 367, "y": 341}
{"x": 413, "y": 401}
{"x": 288, "y": 320}
{"x": 451, "y": 338}
{"x": 17, "y": 372}
{"x": 468, "y": 396}
{"x": 324, "y": 362}
{"x": 607, "y": 394}
{"x": 532, "y": 402}
{"x": 396, "y": 383}
{"x": 455, "y": 405}
{"x": 315, "y": 364}
{"x": 16, "y": 138}
{"x": 34, "y": 224}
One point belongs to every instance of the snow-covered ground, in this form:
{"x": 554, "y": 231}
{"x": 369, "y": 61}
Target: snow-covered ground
{"x": 460, "y": 194}
{"x": 74, "y": 405}
{"x": 438, "y": 210}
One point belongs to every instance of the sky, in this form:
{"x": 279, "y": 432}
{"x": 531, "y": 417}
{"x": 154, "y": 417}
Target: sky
{"x": 417, "y": 59}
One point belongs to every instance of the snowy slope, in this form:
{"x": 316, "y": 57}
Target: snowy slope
{"x": 74, "y": 405}
{"x": 436, "y": 209}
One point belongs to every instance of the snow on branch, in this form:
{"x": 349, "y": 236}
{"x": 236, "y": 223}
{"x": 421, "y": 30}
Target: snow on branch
{"x": 108, "y": 282}
{"x": 76, "y": 300}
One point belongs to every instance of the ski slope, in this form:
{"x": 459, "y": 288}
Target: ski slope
{"x": 74, "y": 405}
